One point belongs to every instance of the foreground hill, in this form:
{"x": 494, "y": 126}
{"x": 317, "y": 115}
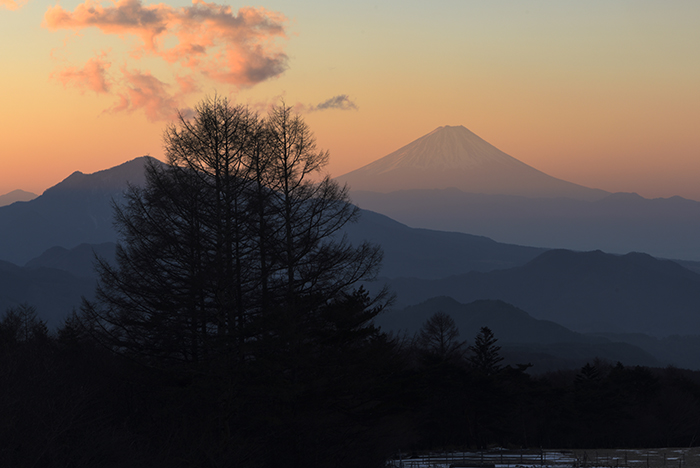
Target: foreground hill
{"x": 455, "y": 157}
{"x": 584, "y": 291}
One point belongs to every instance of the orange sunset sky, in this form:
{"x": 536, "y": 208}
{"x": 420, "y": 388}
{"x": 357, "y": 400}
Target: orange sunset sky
{"x": 600, "y": 93}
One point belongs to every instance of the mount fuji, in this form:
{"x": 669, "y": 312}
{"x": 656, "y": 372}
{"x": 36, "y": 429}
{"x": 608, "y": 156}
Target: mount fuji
{"x": 452, "y": 180}
{"x": 454, "y": 157}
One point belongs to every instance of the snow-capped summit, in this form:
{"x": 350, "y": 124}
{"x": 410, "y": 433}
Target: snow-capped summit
{"x": 454, "y": 157}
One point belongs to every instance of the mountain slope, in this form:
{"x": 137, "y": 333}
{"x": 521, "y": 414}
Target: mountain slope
{"x": 78, "y": 261}
{"x": 54, "y": 293}
{"x": 619, "y": 223}
{"x": 425, "y": 253}
{"x": 75, "y": 211}
{"x": 455, "y": 157}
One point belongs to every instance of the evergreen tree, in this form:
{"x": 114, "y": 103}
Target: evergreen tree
{"x": 485, "y": 358}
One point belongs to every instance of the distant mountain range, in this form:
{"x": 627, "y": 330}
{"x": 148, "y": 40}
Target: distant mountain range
{"x": 15, "y": 196}
{"x": 69, "y": 223}
{"x": 618, "y": 223}
{"x": 452, "y": 180}
{"x": 79, "y": 211}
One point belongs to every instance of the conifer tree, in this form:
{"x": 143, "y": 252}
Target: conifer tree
{"x": 485, "y": 357}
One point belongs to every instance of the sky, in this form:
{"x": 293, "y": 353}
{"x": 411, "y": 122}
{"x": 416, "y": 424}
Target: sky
{"x": 601, "y": 93}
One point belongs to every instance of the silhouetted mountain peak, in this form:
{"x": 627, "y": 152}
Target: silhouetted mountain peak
{"x": 105, "y": 180}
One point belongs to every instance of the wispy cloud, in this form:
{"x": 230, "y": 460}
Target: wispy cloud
{"x": 341, "y": 101}
{"x": 236, "y": 48}
{"x": 159, "y": 100}
{"x": 92, "y": 76}
{"x": 12, "y": 4}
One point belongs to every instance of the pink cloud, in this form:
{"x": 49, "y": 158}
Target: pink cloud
{"x": 157, "y": 99}
{"x": 238, "y": 48}
{"x": 92, "y": 76}
{"x": 12, "y": 4}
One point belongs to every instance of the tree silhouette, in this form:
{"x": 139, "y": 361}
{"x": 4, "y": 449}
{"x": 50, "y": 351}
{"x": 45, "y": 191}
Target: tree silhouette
{"x": 485, "y": 357}
{"x": 234, "y": 280}
{"x": 20, "y": 324}
{"x": 230, "y": 245}
{"x": 438, "y": 337}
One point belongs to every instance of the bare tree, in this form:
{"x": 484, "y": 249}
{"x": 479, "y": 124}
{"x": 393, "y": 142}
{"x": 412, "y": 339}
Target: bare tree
{"x": 226, "y": 239}
{"x": 439, "y": 337}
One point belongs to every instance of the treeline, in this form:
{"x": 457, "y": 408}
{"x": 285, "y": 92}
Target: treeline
{"x": 65, "y": 400}
{"x": 465, "y": 404}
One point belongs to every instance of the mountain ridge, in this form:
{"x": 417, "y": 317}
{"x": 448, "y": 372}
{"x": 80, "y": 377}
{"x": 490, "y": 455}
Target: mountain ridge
{"x": 618, "y": 223}
{"x": 587, "y": 292}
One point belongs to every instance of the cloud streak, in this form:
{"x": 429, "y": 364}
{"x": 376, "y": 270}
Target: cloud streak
{"x": 341, "y": 102}
{"x": 240, "y": 48}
